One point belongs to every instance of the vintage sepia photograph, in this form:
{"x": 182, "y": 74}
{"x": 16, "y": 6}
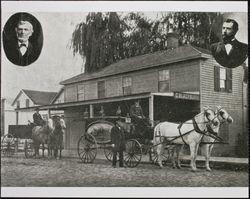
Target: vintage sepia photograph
{"x": 124, "y": 99}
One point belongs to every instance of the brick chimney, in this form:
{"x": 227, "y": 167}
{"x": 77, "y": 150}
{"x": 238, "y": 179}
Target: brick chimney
{"x": 172, "y": 37}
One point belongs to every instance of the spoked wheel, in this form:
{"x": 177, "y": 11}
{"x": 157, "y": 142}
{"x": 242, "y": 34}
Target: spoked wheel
{"x": 165, "y": 156}
{"x": 132, "y": 153}
{"x": 28, "y": 149}
{"x": 8, "y": 145}
{"x": 108, "y": 152}
{"x": 87, "y": 148}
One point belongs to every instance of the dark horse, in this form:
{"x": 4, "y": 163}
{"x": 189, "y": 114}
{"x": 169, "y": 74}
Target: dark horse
{"x": 55, "y": 139}
{"x": 40, "y": 135}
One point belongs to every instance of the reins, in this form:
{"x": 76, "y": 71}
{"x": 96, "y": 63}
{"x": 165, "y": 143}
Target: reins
{"x": 196, "y": 128}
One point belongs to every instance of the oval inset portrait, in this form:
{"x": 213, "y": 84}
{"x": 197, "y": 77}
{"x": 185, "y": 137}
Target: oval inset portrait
{"x": 22, "y": 39}
{"x": 226, "y": 46}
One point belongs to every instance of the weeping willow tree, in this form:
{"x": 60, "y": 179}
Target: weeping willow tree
{"x": 196, "y": 27}
{"x": 108, "y": 37}
{"x": 99, "y": 40}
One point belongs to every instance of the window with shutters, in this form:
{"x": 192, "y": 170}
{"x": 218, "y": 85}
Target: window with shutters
{"x": 163, "y": 83}
{"x": 101, "y": 89}
{"x": 80, "y": 92}
{"x": 126, "y": 85}
{"x": 222, "y": 79}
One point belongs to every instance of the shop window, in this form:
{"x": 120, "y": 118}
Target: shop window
{"x": 80, "y": 92}
{"x": 27, "y": 102}
{"x": 222, "y": 79}
{"x": 101, "y": 89}
{"x": 164, "y": 84}
{"x": 127, "y": 85}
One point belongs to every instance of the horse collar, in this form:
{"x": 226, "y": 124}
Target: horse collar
{"x": 210, "y": 130}
{"x": 196, "y": 127}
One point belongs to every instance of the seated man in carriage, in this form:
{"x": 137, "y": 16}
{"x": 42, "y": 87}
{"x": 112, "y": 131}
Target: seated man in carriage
{"x": 38, "y": 120}
{"x": 141, "y": 122}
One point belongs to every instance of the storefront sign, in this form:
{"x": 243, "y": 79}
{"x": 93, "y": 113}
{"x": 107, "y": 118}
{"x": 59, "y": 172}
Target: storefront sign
{"x": 187, "y": 96}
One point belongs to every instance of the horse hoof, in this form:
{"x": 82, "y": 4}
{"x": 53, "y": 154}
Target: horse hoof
{"x": 208, "y": 169}
{"x": 194, "y": 170}
{"x": 179, "y": 167}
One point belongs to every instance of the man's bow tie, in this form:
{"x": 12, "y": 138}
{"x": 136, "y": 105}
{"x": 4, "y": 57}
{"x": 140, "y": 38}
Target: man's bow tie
{"x": 228, "y": 42}
{"x": 22, "y": 45}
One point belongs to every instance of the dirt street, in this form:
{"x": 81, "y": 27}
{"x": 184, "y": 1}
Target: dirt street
{"x": 70, "y": 172}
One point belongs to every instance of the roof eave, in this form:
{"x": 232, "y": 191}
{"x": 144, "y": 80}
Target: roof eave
{"x": 200, "y": 55}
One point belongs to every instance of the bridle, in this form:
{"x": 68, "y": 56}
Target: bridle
{"x": 222, "y": 120}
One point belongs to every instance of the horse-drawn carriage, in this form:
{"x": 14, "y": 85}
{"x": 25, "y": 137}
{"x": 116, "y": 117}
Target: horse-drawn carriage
{"x": 17, "y": 140}
{"x": 160, "y": 142}
{"x": 98, "y": 136}
{"x": 28, "y": 138}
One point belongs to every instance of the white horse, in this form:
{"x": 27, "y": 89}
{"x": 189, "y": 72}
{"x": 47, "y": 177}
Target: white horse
{"x": 189, "y": 132}
{"x": 223, "y": 116}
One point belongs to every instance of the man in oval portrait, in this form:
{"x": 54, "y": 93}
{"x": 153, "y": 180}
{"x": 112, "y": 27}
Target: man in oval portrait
{"x": 229, "y": 52}
{"x": 19, "y": 47}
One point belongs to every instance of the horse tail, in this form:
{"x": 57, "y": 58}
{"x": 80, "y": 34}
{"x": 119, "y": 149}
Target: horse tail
{"x": 157, "y": 133}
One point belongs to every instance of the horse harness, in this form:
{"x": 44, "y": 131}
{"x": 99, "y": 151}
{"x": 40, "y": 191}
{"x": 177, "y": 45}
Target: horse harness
{"x": 196, "y": 128}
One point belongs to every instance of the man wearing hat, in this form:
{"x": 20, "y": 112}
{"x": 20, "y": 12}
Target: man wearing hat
{"x": 138, "y": 117}
{"x": 38, "y": 120}
{"x": 118, "y": 143}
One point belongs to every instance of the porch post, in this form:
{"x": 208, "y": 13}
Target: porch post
{"x": 151, "y": 109}
{"x": 49, "y": 113}
{"x": 91, "y": 111}
{"x": 17, "y": 118}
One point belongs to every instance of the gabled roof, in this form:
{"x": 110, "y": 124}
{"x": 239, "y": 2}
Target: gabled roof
{"x": 57, "y": 95}
{"x": 158, "y": 58}
{"x": 38, "y": 97}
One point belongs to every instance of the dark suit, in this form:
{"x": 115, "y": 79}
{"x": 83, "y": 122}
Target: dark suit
{"x": 236, "y": 56}
{"x": 140, "y": 123}
{"x": 118, "y": 139}
{"x": 14, "y": 55}
{"x": 38, "y": 120}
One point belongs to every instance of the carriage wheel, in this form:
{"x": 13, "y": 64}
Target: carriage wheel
{"x": 8, "y": 145}
{"x": 87, "y": 148}
{"x": 132, "y": 153}
{"x": 28, "y": 149}
{"x": 109, "y": 153}
{"x": 154, "y": 158}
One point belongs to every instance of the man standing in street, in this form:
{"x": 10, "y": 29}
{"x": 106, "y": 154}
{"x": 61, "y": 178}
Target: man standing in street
{"x": 118, "y": 143}
{"x": 230, "y": 52}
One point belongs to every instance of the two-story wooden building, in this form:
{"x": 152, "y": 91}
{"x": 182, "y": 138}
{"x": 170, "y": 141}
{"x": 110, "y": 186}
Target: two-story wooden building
{"x": 172, "y": 85}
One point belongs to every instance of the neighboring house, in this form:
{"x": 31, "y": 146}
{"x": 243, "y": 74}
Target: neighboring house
{"x": 172, "y": 85}
{"x": 26, "y": 101}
